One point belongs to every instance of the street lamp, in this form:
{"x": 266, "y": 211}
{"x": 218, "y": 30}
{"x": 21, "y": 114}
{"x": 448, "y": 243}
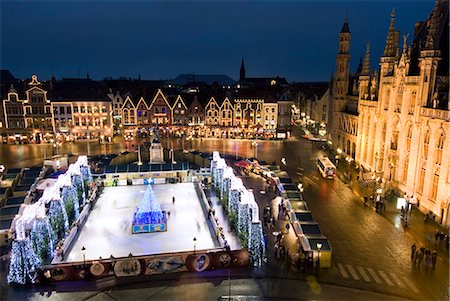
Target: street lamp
{"x": 319, "y": 246}
{"x": 255, "y": 145}
{"x": 195, "y": 243}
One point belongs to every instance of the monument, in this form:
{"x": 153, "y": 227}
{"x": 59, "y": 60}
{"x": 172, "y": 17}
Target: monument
{"x": 156, "y": 149}
{"x": 148, "y": 216}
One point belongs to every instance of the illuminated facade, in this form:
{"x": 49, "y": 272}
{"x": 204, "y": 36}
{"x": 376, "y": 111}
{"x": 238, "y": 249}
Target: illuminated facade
{"x": 28, "y": 119}
{"x": 82, "y": 119}
{"x": 402, "y": 127}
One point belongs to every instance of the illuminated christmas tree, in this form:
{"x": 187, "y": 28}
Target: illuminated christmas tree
{"x": 149, "y": 210}
{"x": 24, "y": 262}
{"x": 87, "y": 178}
{"x": 256, "y": 246}
{"x": 58, "y": 218}
{"x": 78, "y": 183}
{"x": 42, "y": 238}
{"x": 70, "y": 199}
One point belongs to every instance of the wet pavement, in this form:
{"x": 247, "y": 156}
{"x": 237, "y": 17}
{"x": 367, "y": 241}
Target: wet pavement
{"x": 371, "y": 251}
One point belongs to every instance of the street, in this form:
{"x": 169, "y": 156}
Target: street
{"x": 371, "y": 252}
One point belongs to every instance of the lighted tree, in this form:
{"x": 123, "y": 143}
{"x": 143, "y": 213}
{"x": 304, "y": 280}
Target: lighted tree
{"x": 42, "y": 238}
{"x": 149, "y": 210}
{"x": 77, "y": 182}
{"x": 87, "y": 178}
{"x": 256, "y": 246}
{"x": 23, "y": 263}
{"x": 58, "y": 218}
{"x": 70, "y": 199}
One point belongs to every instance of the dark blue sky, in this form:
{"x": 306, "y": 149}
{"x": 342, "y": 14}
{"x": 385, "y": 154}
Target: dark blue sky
{"x": 295, "y": 39}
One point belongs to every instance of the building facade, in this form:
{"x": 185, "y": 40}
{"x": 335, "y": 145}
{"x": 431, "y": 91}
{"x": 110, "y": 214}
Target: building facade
{"x": 401, "y": 129}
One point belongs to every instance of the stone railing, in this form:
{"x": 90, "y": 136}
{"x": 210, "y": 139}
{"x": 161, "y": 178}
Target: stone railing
{"x": 435, "y": 113}
{"x": 368, "y": 103}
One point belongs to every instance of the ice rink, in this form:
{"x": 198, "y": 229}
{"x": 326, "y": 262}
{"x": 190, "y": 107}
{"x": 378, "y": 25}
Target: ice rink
{"x": 107, "y": 230}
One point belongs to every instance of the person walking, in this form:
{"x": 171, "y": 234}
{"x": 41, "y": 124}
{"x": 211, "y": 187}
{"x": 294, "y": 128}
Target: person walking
{"x": 421, "y": 255}
{"x": 428, "y": 261}
{"x": 433, "y": 259}
{"x": 413, "y": 250}
{"x": 173, "y": 200}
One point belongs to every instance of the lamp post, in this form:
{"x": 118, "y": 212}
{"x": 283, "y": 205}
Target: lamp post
{"x": 319, "y": 246}
{"x": 195, "y": 243}
{"x": 255, "y": 145}
{"x": 83, "y": 251}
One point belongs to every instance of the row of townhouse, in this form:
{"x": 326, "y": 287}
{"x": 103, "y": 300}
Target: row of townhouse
{"x": 32, "y": 115}
{"x": 78, "y": 109}
{"x": 214, "y": 115}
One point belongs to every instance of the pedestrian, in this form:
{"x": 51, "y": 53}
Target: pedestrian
{"x": 413, "y": 250}
{"x": 276, "y": 251}
{"x": 168, "y": 214}
{"x": 421, "y": 255}
{"x": 428, "y": 261}
{"x": 173, "y": 200}
{"x": 433, "y": 259}
{"x": 287, "y": 227}
{"x": 436, "y": 235}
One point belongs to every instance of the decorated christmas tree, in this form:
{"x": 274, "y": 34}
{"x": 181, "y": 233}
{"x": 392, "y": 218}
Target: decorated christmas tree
{"x": 70, "y": 199}
{"x": 256, "y": 246}
{"x": 43, "y": 239}
{"x": 24, "y": 262}
{"x": 78, "y": 183}
{"x": 58, "y": 218}
{"x": 149, "y": 210}
{"x": 87, "y": 178}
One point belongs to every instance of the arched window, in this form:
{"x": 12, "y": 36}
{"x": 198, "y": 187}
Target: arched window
{"x": 440, "y": 148}
{"x": 386, "y": 101}
{"x": 426, "y": 144}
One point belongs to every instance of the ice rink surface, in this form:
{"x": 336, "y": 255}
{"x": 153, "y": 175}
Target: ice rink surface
{"x": 107, "y": 230}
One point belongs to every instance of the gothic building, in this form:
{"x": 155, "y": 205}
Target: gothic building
{"x": 401, "y": 128}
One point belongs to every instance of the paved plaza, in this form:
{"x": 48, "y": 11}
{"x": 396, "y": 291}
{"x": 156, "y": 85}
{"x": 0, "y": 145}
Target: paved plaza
{"x": 107, "y": 230}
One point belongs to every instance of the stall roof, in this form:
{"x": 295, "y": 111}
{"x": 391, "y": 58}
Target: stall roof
{"x": 9, "y": 211}
{"x": 283, "y": 175}
{"x": 14, "y": 201}
{"x": 313, "y": 241}
{"x": 285, "y": 180}
{"x": 5, "y": 224}
{"x": 299, "y": 205}
{"x": 290, "y": 187}
{"x": 310, "y": 229}
{"x": 304, "y": 216}
{"x": 294, "y": 195}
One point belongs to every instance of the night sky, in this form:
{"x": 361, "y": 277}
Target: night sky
{"x": 160, "y": 40}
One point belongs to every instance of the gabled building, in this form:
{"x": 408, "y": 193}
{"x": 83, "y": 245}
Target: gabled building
{"x": 180, "y": 112}
{"x": 212, "y": 111}
{"x": 37, "y": 112}
{"x": 160, "y": 110}
{"x": 14, "y": 119}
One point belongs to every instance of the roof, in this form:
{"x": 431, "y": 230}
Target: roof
{"x": 146, "y": 167}
{"x": 208, "y": 79}
{"x": 345, "y": 28}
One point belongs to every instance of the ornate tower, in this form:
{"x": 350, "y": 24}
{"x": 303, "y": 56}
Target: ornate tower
{"x": 364, "y": 77}
{"x": 390, "y": 49}
{"x": 341, "y": 75}
{"x": 430, "y": 57}
{"x": 242, "y": 71}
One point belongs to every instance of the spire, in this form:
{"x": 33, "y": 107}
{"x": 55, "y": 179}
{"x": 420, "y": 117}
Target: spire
{"x": 432, "y": 42}
{"x": 242, "y": 71}
{"x": 366, "y": 66}
{"x": 345, "y": 27}
{"x": 359, "y": 69}
{"x": 389, "y": 49}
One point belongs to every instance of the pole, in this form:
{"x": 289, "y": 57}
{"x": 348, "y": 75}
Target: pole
{"x": 88, "y": 148}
